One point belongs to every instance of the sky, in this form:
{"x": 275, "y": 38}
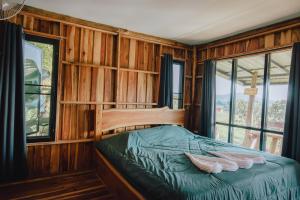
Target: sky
{"x": 176, "y": 73}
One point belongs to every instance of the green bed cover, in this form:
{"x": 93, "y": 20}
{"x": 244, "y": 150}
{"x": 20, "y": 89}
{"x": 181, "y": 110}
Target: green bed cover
{"x": 153, "y": 161}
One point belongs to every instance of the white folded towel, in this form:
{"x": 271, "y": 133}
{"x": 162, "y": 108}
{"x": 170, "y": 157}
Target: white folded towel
{"x": 257, "y": 159}
{"x": 212, "y": 164}
{"x": 204, "y": 165}
{"x": 244, "y": 160}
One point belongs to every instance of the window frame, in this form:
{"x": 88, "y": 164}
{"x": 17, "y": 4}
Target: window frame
{"x": 266, "y": 84}
{"x": 54, "y": 77}
{"x": 181, "y": 82}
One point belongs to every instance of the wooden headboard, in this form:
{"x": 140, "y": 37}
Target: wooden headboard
{"x": 117, "y": 118}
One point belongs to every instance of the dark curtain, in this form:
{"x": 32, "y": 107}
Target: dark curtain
{"x": 207, "y": 110}
{"x": 12, "y": 114}
{"x": 166, "y": 82}
{"x": 291, "y": 139}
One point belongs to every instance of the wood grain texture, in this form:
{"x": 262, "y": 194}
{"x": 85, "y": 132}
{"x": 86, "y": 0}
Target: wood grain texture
{"x": 103, "y": 67}
{"x": 57, "y": 158}
{"x": 116, "y": 118}
{"x": 273, "y": 37}
{"x": 100, "y": 68}
{"x": 81, "y": 185}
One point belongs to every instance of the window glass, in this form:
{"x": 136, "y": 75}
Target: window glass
{"x": 248, "y": 78}
{"x": 278, "y": 88}
{"x": 38, "y": 67}
{"x": 249, "y": 91}
{"x": 274, "y": 143}
{"x": 223, "y": 90}
{"x": 177, "y": 85}
{"x": 221, "y": 133}
{"x": 246, "y": 138}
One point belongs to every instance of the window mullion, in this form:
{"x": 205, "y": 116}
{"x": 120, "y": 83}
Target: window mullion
{"x": 232, "y": 98}
{"x": 262, "y": 145}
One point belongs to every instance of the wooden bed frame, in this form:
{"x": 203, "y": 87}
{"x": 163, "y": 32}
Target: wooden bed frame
{"x": 117, "y": 118}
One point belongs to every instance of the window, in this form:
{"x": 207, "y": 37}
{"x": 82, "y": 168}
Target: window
{"x": 178, "y": 85}
{"x": 251, "y": 97}
{"x": 40, "y": 70}
{"x": 223, "y": 89}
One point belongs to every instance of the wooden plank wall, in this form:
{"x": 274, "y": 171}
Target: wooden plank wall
{"x": 103, "y": 67}
{"x": 274, "y": 37}
{"x": 98, "y": 69}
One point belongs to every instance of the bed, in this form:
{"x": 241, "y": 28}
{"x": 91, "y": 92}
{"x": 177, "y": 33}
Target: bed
{"x": 150, "y": 164}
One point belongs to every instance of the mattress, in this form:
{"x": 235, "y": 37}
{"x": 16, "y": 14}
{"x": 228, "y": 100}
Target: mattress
{"x": 153, "y": 161}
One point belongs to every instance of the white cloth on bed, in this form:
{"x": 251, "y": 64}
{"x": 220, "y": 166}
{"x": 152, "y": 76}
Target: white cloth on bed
{"x": 212, "y": 164}
{"x": 244, "y": 160}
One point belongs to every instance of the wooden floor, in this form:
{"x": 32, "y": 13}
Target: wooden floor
{"x": 81, "y": 185}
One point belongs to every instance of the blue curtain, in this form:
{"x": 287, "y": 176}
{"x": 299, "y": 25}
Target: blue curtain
{"x": 207, "y": 112}
{"x": 12, "y": 114}
{"x": 166, "y": 82}
{"x": 291, "y": 136}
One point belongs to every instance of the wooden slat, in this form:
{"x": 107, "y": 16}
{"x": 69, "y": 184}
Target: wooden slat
{"x": 87, "y": 103}
{"x": 116, "y": 118}
{"x": 132, "y": 77}
{"x": 139, "y": 71}
{"x": 137, "y": 103}
{"x": 118, "y": 60}
{"x": 89, "y": 65}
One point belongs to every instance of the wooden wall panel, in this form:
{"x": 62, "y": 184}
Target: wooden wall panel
{"x": 58, "y": 158}
{"x": 98, "y": 69}
{"x": 103, "y": 67}
{"x": 188, "y": 57}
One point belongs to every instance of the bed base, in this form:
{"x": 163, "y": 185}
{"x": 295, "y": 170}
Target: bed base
{"x": 117, "y": 118}
{"x": 115, "y": 182}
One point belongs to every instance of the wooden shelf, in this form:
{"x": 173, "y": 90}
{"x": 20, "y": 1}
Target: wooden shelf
{"x": 61, "y": 142}
{"x": 137, "y": 103}
{"x": 47, "y": 35}
{"x": 88, "y": 65}
{"x": 87, "y": 103}
{"x": 105, "y": 103}
{"x": 188, "y": 76}
{"x": 199, "y": 77}
{"x": 139, "y": 71}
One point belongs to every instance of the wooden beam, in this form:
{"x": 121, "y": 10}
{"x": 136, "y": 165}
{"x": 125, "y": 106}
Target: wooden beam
{"x": 138, "y": 70}
{"x": 60, "y": 142}
{"x": 253, "y": 33}
{"x": 87, "y": 103}
{"x": 280, "y": 66}
{"x": 118, "y": 69}
{"x": 87, "y": 65}
{"x": 46, "y": 35}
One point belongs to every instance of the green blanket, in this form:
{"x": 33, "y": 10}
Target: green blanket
{"x": 153, "y": 161}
